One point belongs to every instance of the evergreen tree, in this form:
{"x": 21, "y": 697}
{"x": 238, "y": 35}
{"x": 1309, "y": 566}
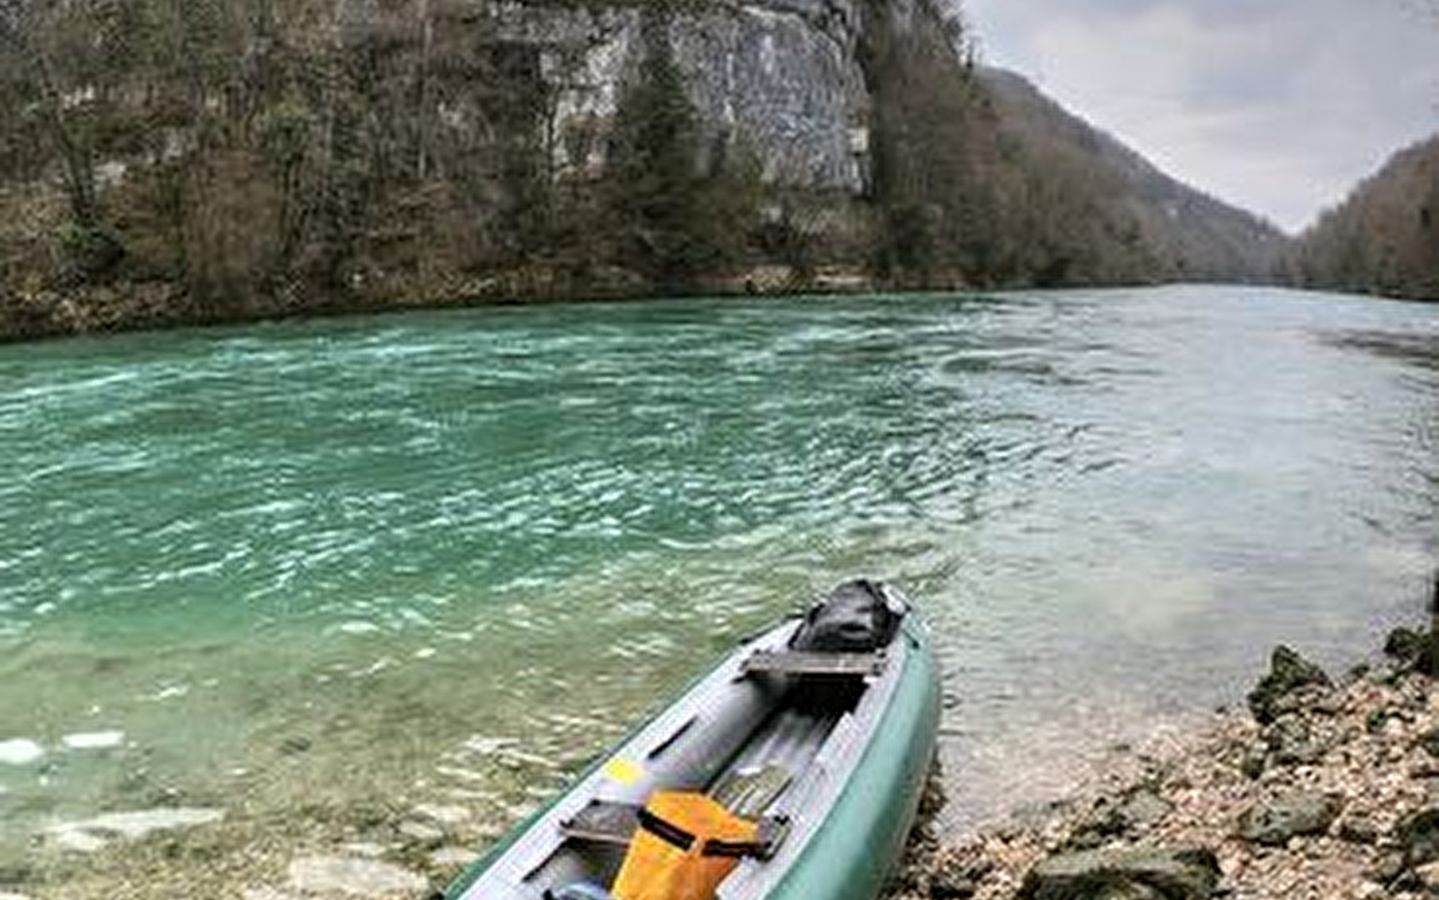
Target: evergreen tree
{"x": 655, "y": 189}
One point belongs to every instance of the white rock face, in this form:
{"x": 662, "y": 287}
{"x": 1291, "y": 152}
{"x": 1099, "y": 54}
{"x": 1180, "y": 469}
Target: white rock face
{"x": 779, "y": 78}
{"x": 357, "y": 877}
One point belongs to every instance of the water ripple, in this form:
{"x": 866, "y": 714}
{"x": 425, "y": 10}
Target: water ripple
{"x": 554, "y": 512}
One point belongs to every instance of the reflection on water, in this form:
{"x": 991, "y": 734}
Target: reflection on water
{"x": 443, "y": 559}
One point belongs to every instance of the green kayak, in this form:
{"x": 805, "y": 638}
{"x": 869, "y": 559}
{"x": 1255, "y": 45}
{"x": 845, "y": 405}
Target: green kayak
{"x": 818, "y": 735}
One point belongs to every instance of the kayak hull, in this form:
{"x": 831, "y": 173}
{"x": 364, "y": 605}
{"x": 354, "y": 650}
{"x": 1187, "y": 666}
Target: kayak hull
{"x": 863, "y": 837}
{"x": 859, "y": 774}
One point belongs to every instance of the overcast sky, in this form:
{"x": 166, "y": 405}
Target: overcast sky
{"x": 1278, "y": 106}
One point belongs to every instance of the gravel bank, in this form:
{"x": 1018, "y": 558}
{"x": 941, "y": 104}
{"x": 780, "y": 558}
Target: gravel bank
{"x": 1318, "y": 790}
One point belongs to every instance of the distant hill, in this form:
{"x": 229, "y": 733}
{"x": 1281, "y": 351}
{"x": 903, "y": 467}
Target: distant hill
{"x": 1383, "y": 239}
{"x": 1100, "y": 213}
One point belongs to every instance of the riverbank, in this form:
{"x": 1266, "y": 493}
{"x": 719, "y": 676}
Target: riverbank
{"x": 32, "y": 312}
{"x": 1318, "y": 790}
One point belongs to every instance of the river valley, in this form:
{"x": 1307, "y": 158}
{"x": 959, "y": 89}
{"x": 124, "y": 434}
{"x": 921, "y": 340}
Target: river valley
{"x": 310, "y": 573}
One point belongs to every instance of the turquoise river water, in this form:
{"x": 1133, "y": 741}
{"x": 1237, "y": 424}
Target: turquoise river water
{"x": 444, "y": 558}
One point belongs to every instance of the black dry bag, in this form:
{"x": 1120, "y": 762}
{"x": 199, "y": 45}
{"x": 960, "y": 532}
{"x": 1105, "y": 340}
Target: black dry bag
{"x": 855, "y": 618}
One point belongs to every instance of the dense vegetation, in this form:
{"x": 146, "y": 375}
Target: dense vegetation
{"x": 1000, "y": 186}
{"x": 179, "y": 161}
{"x": 1383, "y": 239}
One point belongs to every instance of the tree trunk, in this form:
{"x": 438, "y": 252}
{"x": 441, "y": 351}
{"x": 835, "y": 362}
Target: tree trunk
{"x": 79, "y": 170}
{"x": 1434, "y": 630}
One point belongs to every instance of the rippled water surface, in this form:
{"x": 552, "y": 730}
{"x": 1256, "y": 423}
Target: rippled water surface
{"x": 445, "y": 558}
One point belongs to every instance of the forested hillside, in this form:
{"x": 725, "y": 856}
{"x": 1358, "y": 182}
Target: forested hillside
{"x": 169, "y": 161}
{"x": 1383, "y": 239}
{"x": 1138, "y": 223}
{"x": 1035, "y": 196}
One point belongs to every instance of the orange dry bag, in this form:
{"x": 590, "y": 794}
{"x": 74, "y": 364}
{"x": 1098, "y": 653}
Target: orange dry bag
{"x": 685, "y": 846}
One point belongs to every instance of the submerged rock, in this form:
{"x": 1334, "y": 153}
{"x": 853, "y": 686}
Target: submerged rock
{"x": 94, "y": 740}
{"x": 297, "y": 744}
{"x": 344, "y": 875}
{"x": 20, "y": 752}
{"x": 452, "y": 857}
{"x": 1182, "y": 873}
{"x": 94, "y": 834}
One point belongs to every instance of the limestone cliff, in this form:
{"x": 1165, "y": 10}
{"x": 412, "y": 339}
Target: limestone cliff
{"x": 783, "y": 76}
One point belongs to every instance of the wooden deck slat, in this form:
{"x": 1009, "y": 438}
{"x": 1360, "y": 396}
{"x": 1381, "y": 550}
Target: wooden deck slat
{"x": 798, "y": 662}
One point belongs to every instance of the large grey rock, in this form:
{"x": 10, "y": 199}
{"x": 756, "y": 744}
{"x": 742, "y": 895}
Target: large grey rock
{"x": 1275, "y": 821}
{"x": 1134, "y": 813}
{"x": 1288, "y": 672}
{"x": 1418, "y": 837}
{"x": 1175, "y": 873}
{"x": 1410, "y": 647}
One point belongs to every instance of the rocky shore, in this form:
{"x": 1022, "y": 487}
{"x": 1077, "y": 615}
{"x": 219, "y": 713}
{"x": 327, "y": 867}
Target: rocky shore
{"x": 1318, "y": 790}
{"x": 1321, "y": 788}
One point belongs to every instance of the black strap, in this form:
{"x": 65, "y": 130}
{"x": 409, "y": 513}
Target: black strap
{"x": 732, "y": 849}
{"x": 676, "y": 836}
{"x": 666, "y": 831}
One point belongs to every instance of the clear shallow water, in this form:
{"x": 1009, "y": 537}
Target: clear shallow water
{"x": 444, "y": 558}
